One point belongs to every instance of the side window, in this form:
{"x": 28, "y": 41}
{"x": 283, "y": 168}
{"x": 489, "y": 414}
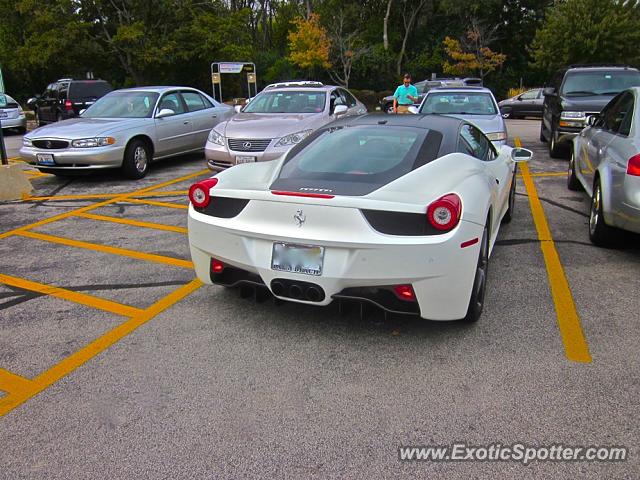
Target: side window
{"x": 194, "y": 101}
{"x": 62, "y": 91}
{"x": 54, "y": 91}
{"x": 207, "y": 103}
{"x": 611, "y": 115}
{"x": 530, "y": 95}
{"x": 48, "y": 93}
{"x": 473, "y": 142}
{"x": 617, "y": 119}
{"x": 335, "y": 100}
{"x": 173, "y": 102}
{"x": 349, "y": 100}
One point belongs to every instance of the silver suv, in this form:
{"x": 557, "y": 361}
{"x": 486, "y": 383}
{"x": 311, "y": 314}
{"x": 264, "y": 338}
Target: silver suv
{"x": 275, "y": 120}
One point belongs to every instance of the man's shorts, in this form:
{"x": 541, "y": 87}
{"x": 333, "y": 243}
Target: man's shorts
{"x": 403, "y": 108}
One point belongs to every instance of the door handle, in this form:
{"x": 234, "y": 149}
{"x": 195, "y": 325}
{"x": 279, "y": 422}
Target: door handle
{"x": 214, "y": 116}
{"x": 186, "y": 122}
{"x": 498, "y": 181}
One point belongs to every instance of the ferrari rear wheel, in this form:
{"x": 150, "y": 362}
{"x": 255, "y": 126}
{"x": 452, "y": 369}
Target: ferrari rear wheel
{"x": 476, "y": 302}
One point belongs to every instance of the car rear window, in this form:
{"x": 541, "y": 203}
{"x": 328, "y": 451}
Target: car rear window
{"x": 459, "y": 103}
{"x": 356, "y": 160}
{"x": 89, "y": 89}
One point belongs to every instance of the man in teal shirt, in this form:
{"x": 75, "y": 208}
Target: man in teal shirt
{"x": 405, "y": 96}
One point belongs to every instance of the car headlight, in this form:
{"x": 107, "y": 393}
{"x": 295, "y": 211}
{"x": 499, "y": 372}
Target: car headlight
{"x": 26, "y": 142}
{"x": 215, "y": 137}
{"x": 573, "y": 116}
{"x": 93, "y": 142}
{"x": 293, "y": 138}
{"x": 497, "y": 136}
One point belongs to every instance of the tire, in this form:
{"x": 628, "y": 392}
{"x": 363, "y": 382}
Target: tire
{"x": 137, "y": 157}
{"x": 22, "y": 130}
{"x": 555, "y": 150}
{"x": 38, "y": 119}
{"x": 388, "y": 108}
{"x": 600, "y": 233}
{"x": 506, "y": 114}
{"x": 508, "y": 216}
{"x": 476, "y": 302}
{"x": 572, "y": 181}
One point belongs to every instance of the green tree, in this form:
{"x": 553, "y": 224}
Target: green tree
{"x": 588, "y": 31}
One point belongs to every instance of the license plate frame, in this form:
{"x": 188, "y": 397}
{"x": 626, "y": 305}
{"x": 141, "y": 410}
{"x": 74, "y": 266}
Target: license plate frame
{"x": 245, "y": 159}
{"x": 45, "y": 159}
{"x": 289, "y": 258}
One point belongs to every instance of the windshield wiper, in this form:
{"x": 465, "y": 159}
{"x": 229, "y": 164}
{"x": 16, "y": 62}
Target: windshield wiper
{"x": 610, "y": 93}
{"x": 580, "y": 93}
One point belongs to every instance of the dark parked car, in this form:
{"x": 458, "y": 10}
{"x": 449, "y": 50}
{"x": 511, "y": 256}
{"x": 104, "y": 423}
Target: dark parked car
{"x": 527, "y": 104}
{"x": 425, "y": 85}
{"x": 66, "y": 98}
{"x": 576, "y": 93}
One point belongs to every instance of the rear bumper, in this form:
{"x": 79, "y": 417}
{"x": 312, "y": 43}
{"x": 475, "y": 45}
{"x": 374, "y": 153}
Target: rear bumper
{"x": 77, "y": 158}
{"x": 440, "y": 271}
{"x": 20, "y": 122}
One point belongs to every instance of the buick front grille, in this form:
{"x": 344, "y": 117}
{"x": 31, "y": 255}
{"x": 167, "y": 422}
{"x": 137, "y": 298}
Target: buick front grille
{"x": 50, "y": 144}
{"x": 249, "y": 145}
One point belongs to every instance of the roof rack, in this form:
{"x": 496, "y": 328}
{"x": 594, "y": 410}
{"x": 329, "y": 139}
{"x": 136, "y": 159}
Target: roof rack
{"x": 295, "y": 83}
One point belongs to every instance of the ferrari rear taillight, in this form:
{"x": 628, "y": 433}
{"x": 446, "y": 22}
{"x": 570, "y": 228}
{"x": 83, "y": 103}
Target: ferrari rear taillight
{"x": 445, "y": 212}
{"x": 405, "y": 292}
{"x": 633, "y": 167}
{"x": 199, "y": 192}
{"x": 68, "y": 105}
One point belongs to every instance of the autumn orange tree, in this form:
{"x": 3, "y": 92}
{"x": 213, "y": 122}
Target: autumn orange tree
{"x": 472, "y": 54}
{"x": 309, "y": 44}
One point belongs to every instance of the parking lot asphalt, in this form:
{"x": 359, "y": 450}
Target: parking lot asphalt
{"x": 116, "y": 363}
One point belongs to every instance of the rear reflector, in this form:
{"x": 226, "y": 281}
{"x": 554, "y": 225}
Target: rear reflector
{"x": 302, "y": 194}
{"x": 405, "y": 292}
{"x": 633, "y": 168}
{"x": 216, "y": 265}
{"x": 468, "y": 243}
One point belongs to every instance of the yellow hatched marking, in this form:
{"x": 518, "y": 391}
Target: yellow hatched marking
{"x": 135, "y": 223}
{"x": 75, "y": 360}
{"x": 76, "y": 297}
{"x": 151, "y": 257}
{"x": 15, "y": 384}
{"x": 157, "y": 204}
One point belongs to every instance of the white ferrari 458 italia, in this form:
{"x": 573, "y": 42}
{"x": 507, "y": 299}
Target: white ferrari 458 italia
{"x": 396, "y": 211}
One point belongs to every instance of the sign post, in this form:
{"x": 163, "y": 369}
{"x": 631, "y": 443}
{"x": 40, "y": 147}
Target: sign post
{"x": 3, "y": 103}
{"x": 219, "y": 68}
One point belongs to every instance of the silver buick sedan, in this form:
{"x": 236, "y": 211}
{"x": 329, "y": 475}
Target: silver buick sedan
{"x": 126, "y": 129}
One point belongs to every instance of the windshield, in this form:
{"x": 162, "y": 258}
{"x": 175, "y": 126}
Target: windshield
{"x": 463, "y": 103}
{"x": 123, "y": 105}
{"x": 88, "y": 89}
{"x": 287, "y": 102}
{"x": 582, "y": 84}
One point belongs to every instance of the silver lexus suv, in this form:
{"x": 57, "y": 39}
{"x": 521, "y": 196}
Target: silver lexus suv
{"x": 275, "y": 120}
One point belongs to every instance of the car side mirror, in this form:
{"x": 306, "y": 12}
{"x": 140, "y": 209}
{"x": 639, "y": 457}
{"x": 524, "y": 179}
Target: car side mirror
{"x": 521, "y": 155}
{"x": 165, "y": 112}
{"x": 238, "y": 108}
{"x": 549, "y": 91}
{"x": 592, "y": 119}
{"x": 413, "y": 109}
{"x": 32, "y": 101}
{"x": 340, "y": 110}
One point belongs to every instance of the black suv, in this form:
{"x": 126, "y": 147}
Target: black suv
{"x": 576, "y": 92}
{"x": 66, "y": 98}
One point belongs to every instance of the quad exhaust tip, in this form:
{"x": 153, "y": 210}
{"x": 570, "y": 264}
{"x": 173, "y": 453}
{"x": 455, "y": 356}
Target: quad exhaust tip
{"x": 297, "y": 290}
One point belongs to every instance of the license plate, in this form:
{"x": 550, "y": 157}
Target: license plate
{"x": 303, "y": 259}
{"x": 4, "y": 114}
{"x": 45, "y": 159}
{"x": 244, "y": 159}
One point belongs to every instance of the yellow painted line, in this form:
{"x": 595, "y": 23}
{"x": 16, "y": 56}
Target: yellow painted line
{"x": 135, "y": 223}
{"x": 168, "y": 193}
{"x": 61, "y": 216}
{"x": 81, "y": 298}
{"x": 14, "y": 384}
{"x": 546, "y": 174}
{"x": 79, "y": 358}
{"x": 151, "y": 257}
{"x": 157, "y": 204}
{"x": 575, "y": 343}
{"x": 98, "y": 196}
